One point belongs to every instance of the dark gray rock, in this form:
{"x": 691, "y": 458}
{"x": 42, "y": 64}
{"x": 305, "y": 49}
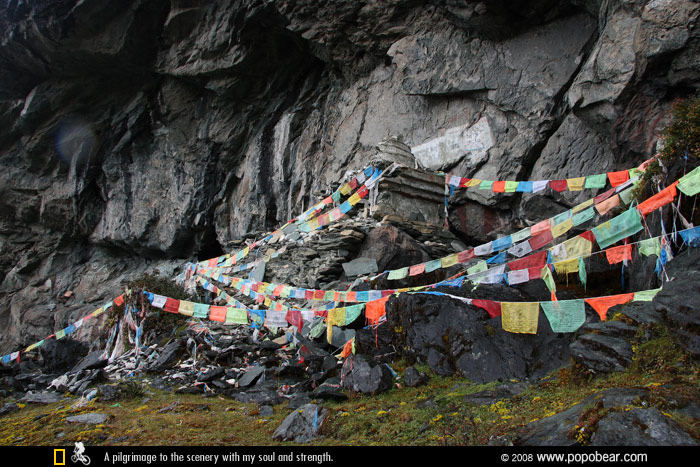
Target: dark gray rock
{"x": 555, "y": 430}
{"x": 46, "y": 397}
{"x": 302, "y": 425}
{"x": 413, "y": 378}
{"x": 503, "y": 391}
{"x": 8, "y": 407}
{"x": 329, "y": 390}
{"x": 261, "y": 396}
{"x": 640, "y": 427}
{"x": 210, "y": 375}
{"x": 169, "y": 355}
{"x": 362, "y": 375}
{"x": 455, "y": 338}
{"x": 61, "y": 354}
{"x": 251, "y": 376}
{"x": 602, "y": 354}
{"x": 92, "y": 361}
{"x": 360, "y": 266}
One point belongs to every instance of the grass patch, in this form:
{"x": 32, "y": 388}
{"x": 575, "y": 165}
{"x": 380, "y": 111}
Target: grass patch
{"x": 434, "y": 414}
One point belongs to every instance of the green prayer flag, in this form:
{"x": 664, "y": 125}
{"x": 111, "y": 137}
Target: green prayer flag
{"x": 619, "y": 227}
{"x": 398, "y": 273}
{"x": 433, "y": 265}
{"x": 583, "y": 216}
{"x": 548, "y": 279}
{"x": 626, "y": 195}
{"x": 486, "y": 185}
{"x": 352, "y": 312}
{"x": 511, "y": 186}
{"x": 201, "y": 310}
{"x": 582, "y": 275}
{"x": 520, "y": 235}
{"x": 645, "y": 295}
{"x": 689, "y": 184}
{"x": 596, "y": 181}
{"x": 481, "y": 266}
{"x": 236, "y": 316}
{"x": 559, "y": 218}
{"x": 565, "y": 315}
{"x": 650, "y": 246}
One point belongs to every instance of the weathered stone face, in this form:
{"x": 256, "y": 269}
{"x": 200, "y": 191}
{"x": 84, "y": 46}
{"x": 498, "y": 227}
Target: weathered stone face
{"x": 201, "y": 122}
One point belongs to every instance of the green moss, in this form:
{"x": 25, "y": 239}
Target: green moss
{"x": 681, "y": 139}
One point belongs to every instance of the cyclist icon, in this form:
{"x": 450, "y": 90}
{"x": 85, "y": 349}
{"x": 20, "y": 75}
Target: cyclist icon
{"x": 78, "y": 454}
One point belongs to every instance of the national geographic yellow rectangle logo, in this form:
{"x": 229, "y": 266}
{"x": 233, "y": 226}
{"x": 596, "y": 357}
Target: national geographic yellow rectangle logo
{"x": 59, "y": 457}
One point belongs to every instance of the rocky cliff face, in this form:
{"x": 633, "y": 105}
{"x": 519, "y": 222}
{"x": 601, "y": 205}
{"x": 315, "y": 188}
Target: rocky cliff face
{"x": 137, "y": 134}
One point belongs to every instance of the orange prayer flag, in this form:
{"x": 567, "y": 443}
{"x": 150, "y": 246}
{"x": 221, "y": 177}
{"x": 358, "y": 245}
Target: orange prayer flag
{"x": 217, "y": 313}
{"x": 375, "y": 310}
{"x": 499, "y": 187}
{"x": 119, "y": 301}
{"x": 618, "y": 178}
{"x": 662, "y": 198}
{"x": 602, "y": 304}
{"x": 347, "y": 349}
{"x": 619, "y": 253}
{"x": 607, "y": 205}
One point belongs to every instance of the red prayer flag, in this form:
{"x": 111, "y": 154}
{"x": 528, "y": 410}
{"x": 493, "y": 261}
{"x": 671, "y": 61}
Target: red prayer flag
{"x": 558, "y": 185}
{"x": 491, "y": 307}
{"x": 294, "y": 318}
{"x": 540, "y": 240}
{"x": 530, "y": 261}
{"x": 534, "y": 273}
{"x": 603, "y": 196}
{"x": 588, "y": 235}
{"x": 171, "y": 305}
{"x": 464, "y": 256}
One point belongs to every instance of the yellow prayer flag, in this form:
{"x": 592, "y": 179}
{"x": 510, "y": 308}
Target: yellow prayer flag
{"x": 474, "y": 182}
{"x": 345, "y": 189}
{"x": 582, "y": 206}
{"x": 186, "y": 308}
{"x": 578, "y": 247}
{"x": 520, "y": 317}
{"x": 566, "y": 266}
{"x": 561, "y": 228}
{"x": 354, "y": 199}
{"x": 448, "y": 261}
{"x": 575, "y": 184}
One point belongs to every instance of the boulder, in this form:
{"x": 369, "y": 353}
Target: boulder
{"x": 360, "y": 374}
{"x": 61, "y": 354}
{"x": 302, "y": 425}
{"x": 251, "y": 376}
{"x": 453, "y": 337}
{"x": 640, "y": 427}
{"x": 413, "y": 377}
{"x": 169, "y": 356}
